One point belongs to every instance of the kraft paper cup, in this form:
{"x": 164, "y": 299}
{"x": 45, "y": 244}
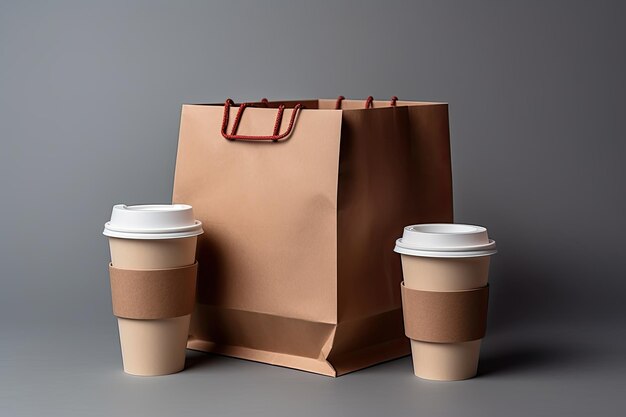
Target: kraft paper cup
{"x": 153, "y": 237}
{"x": 445, "y": 257}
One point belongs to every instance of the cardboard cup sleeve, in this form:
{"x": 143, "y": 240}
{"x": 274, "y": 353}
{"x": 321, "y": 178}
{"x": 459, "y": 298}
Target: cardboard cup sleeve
{"x": 153, "y": 294}
{"x": 445, "y": 317}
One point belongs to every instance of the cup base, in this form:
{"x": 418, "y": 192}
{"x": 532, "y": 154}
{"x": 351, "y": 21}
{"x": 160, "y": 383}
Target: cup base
{"x": 154, "y": 347}
{"x": 169, "y": 372}
{"x": 445, "y": 361}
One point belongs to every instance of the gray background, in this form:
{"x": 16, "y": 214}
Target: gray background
{"x": 90, "y": 98}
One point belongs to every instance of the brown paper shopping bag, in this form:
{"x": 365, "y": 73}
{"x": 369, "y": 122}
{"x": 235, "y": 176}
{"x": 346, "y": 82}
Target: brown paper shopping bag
{"x": 301, "y": 202}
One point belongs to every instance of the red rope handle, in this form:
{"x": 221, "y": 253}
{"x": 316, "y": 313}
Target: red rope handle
{"x": 279, "y": 118}
{"x": 369, "y": 102}
{"x": 275, "y": 136}
{"x": 338, "y": 102}
{"x": 265, "y": 102}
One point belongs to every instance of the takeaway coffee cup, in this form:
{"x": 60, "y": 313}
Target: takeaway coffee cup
{"x": 153, "y": 275}
{"x": 445, "y": 268}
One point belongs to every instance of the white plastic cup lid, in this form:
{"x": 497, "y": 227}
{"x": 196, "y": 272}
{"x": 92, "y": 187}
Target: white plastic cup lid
{"x": 153, "y": 221}
{"x": 445, "y": 240}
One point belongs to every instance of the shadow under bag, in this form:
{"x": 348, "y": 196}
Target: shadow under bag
{"x": 301, "y": 203}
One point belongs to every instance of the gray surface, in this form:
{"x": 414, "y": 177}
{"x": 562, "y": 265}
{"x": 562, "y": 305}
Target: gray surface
{"x": 543, "y": 370}
{"x": 90, "y": 98}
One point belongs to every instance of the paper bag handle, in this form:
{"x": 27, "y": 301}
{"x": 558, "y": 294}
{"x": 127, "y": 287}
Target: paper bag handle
{"x": 369, "y": 102}
{"x": 274, "y": 137}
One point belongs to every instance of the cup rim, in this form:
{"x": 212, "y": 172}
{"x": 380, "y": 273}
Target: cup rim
{"x": 458, "y": 252}
{"x": 151, "y": 236}
{"x": 194, "y": 226}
